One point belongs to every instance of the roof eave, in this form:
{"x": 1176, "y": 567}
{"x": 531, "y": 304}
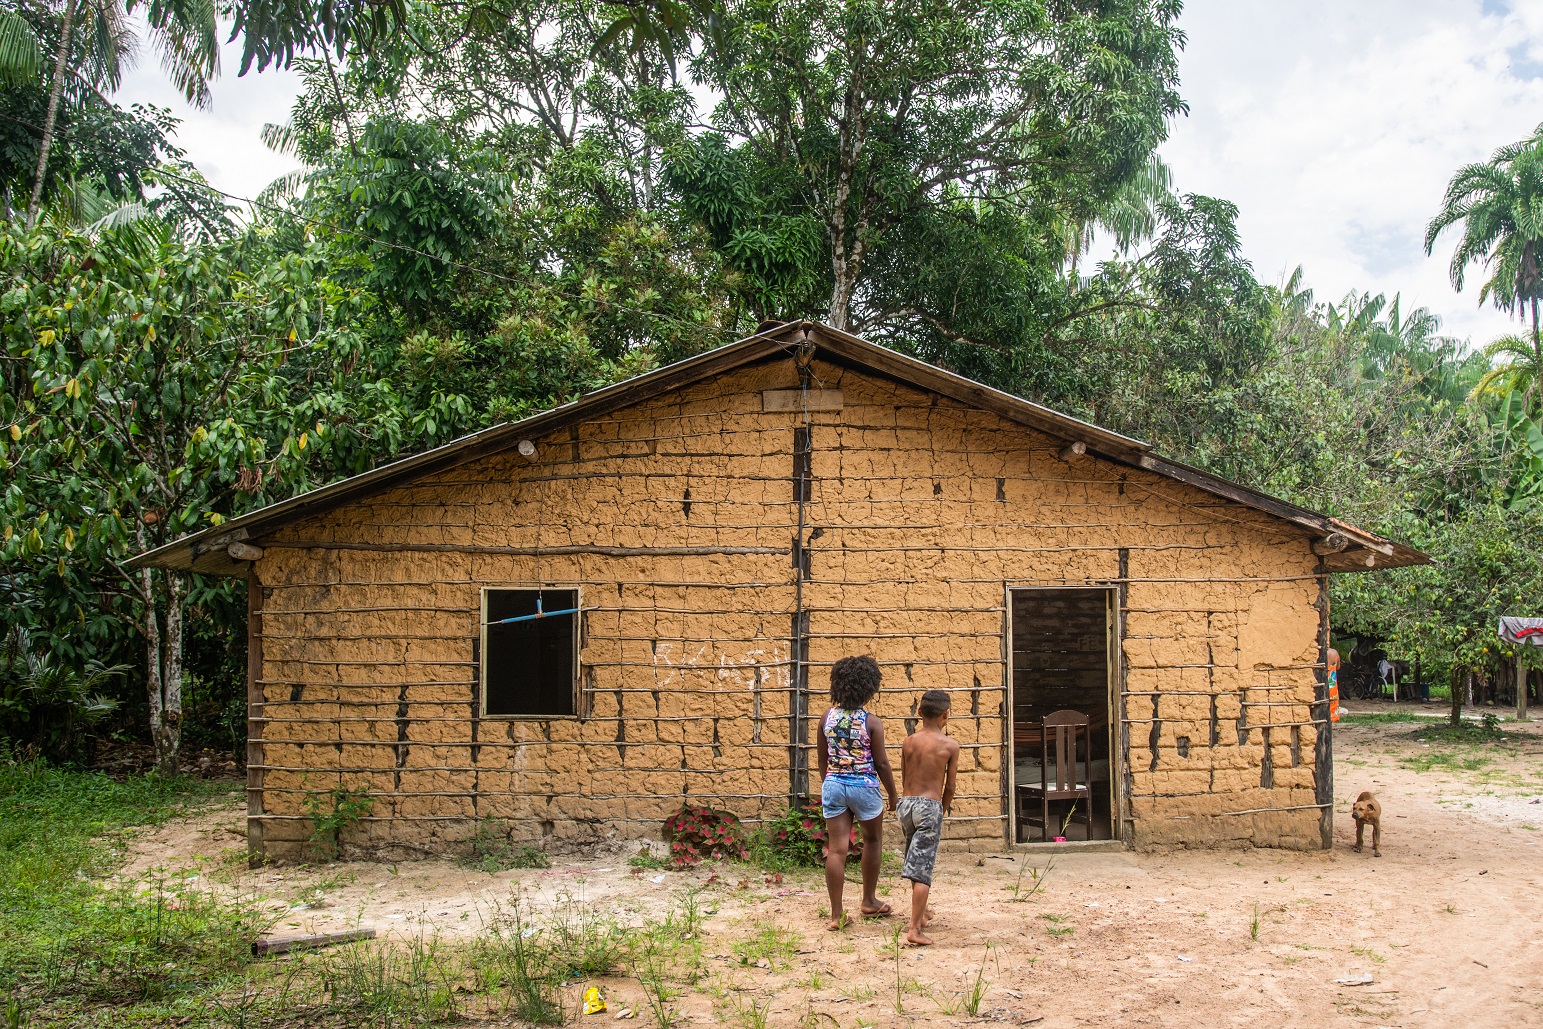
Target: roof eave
{"x": 207, "y": 551}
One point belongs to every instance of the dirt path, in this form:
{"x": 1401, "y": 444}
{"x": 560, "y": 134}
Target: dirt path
{"x": 1448, "y": 923}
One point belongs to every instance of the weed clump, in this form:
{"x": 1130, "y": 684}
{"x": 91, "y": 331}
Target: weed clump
{"x": 491, "y": 849}
{"x": 332, "y": 813}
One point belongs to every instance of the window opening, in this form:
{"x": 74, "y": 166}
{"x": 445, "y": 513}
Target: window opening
{"x": 530, "y": 643}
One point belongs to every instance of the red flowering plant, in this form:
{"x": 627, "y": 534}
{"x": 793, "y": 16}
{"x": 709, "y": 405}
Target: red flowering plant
{"x": 702, "y": 832}
{"x": 798, "y": 836}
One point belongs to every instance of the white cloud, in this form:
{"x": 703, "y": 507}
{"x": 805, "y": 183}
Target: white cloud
{"x": 1335, "y": 128}
{"x": 222, "y": 141}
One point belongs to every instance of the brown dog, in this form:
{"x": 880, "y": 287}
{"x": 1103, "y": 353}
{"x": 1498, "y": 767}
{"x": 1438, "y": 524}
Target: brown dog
{"x": 1364, "y": 810}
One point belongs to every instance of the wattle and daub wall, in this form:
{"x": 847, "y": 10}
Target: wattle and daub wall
{"x": 675, "y": 520}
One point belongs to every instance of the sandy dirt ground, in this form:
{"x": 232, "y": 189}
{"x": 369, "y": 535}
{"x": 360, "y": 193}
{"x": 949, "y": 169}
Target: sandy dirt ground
{"x": 1447, "y": 924}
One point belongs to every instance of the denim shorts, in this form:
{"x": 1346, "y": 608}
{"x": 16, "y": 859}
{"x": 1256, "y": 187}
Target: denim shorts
{"x": 837, "y": 797}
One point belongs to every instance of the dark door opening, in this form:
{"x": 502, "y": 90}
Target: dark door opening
{"x": 1061, "y": 643}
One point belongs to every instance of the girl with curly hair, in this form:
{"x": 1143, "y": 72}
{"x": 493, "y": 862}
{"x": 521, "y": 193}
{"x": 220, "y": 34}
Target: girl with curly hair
{"x": 852, "y": 764}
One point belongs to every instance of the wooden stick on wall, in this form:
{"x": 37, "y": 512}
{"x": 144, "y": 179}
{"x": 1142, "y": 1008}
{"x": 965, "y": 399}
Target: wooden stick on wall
{"x": 255, "y": 719}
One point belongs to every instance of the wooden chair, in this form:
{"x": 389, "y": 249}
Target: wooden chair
{"x": 1060, "y": 778}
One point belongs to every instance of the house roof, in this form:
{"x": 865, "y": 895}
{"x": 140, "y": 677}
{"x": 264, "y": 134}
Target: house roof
{"x": 1343, "y": 547}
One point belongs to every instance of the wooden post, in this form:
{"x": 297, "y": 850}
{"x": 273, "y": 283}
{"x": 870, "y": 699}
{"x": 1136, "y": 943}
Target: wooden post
{"x": 1323, "y": 748}
{"x": 1521, "y": 685}
{"x": 254, "y": 715}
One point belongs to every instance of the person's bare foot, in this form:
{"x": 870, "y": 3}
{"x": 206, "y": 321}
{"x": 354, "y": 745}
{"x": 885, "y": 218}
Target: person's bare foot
{"x": 916, "y": 938}
{"x": 878, "y": 909}
{"x": 927, "y": 917}
{"x": 837, "y": 922}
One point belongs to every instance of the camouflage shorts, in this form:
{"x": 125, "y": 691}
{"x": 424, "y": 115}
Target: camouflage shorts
{"x": 921, "y": 819}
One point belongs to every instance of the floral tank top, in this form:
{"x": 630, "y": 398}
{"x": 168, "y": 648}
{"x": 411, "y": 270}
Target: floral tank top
{"x": 848, "y": 748}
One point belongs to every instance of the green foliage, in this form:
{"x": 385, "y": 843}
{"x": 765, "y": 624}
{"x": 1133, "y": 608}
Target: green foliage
{"x": 876, "y": 112}
{"x": 21, "y": 57}
{"x": 63, "y": 933}
{"x": 46, "y": 706}
{"x": 797, "y": 836}
{"x": 333, "y": 812}
{"x": 490, "y": 849}
{"x": 1487, "y": 564}
{"x": 754, "y": 216}
{"x": 644, "y": 861}
{"x": 1500, "y": 206}
{"x": 139, "y": 405}
{"x": 420, "y": 206}
{"x": 774, "y": 944}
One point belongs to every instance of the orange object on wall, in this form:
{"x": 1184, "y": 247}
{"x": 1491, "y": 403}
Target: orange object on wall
{"x": 1333, "y": 685}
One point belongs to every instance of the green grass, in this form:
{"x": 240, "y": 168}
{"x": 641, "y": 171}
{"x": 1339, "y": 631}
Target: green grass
{"x": 770, "y": 943}
{"x": 78, "y": 948}
{"x": 1382, "y": 718}
{"x": 1446, "y": 761}
{"x": 67, "y": 936}
{"x": 490, "y": 849}
{"x": 1487, "y": 731}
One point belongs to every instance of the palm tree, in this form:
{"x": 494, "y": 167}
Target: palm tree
{"x": 184, "y": 32}
{"x": 1518, "y": 373}
{"x": 1129, "y": 217}
{"x": 1500, "y": 204}
{"x": 20, "y": 55}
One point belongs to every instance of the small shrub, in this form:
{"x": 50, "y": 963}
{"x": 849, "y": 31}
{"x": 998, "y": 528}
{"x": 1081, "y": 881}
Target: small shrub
{"x": 491, "y": 850}
{"x": 529, "y": 857}
{"x": 332, "y": 812}
{"x": 798, "y": 836}
{"x": 701, "y": 832}
{"x": 48, "y": 706}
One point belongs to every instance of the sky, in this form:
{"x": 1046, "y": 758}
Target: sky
{"x": 1333, "y": 126}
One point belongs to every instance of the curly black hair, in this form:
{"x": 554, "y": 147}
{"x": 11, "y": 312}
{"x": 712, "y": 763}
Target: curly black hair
{"x": 854, "y": 681}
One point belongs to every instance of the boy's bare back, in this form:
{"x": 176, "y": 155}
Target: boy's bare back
{"x": 928, "y": 762}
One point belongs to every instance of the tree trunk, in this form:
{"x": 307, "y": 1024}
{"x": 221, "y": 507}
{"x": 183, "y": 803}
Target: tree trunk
{"x": 49, "y": 119}
{"x": 840, "y": 297}
{"x": 163, "y": 671}
{"x": 1537, "y": 352}
{"x": 1458, "y": 680}
{"x": 846, "y": 258}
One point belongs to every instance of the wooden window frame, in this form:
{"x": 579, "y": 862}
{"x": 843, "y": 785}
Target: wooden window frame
{"x": 482, "y": 658}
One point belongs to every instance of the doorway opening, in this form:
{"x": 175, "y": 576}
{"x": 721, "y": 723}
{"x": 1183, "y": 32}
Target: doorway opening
{"x": 1062, "y": 658}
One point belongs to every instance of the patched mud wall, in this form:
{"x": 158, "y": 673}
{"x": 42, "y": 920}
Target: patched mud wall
{"x": 676, "y": 519}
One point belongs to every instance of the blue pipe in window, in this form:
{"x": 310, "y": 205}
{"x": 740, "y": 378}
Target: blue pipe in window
{"x": 539, "y": 614}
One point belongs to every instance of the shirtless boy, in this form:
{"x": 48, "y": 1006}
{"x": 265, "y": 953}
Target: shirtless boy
{"x": 928, "y": 763}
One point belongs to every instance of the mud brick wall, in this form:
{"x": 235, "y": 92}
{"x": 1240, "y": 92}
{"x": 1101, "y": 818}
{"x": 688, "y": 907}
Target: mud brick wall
{"x": 676, "y": 521}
